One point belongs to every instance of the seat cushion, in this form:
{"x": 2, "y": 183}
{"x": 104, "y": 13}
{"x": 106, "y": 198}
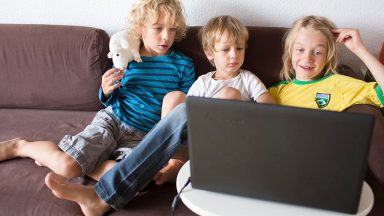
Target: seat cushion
{"x": 22, "y": 181}
{"x": 37, "y": 124}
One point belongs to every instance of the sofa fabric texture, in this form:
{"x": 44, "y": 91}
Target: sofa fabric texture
{"x": 49, "y": 81}
{"x": 51, "y": 67}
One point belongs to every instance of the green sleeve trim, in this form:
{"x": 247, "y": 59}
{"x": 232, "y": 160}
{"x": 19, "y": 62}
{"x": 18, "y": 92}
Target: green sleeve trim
{"x": 379, "y": 93}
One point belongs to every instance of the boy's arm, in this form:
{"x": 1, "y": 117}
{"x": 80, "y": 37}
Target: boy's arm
{"x": 109, "y": 83}
{"x": 265, "y": 98}
{"x": 352, "y": 40}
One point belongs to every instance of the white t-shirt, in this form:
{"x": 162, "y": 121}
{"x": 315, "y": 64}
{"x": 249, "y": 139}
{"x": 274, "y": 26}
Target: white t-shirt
{"x": 246, "y": 82}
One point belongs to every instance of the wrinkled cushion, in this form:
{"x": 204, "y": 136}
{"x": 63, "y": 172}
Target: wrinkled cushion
{"x": 37, "y": 124}
{"x": 23, "y": 193}
{"x": 21, "y": 180}
{"x": 51, "y": 66}
{"x": 22, "y": 188}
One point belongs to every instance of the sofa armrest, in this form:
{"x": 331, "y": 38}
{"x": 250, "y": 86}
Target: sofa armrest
{"x": 376, "y": 152}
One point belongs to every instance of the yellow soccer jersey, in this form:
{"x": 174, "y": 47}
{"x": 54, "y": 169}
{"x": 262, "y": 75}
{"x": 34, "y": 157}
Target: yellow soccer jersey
{"x": 333, "y": 92}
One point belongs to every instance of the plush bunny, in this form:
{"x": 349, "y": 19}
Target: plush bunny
{"x": 123, "y": 48}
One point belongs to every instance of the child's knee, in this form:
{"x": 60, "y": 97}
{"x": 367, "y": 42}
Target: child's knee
{"x": 68, "y": 167}
{"x": 229, "y": 93}
{"x": 171, "y": 100}
{"x": 174, "y": 98}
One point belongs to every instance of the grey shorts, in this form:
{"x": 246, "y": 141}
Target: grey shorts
{"x": 104, "y": 139}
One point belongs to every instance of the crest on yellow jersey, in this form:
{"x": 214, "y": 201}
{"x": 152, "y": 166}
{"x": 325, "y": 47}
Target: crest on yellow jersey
{"x": 322, "y": 99}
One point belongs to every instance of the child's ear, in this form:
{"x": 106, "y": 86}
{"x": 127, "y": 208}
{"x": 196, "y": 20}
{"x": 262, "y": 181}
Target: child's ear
{"x": 209, "y": 55}
{"x": 140, "y": 30}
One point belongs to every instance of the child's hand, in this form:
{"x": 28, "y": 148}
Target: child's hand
{"x": 109, "y": 81}
{"x": 350, "y": 38}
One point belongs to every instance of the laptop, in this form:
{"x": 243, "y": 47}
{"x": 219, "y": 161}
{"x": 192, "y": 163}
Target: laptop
{"x": 306, "y": 157}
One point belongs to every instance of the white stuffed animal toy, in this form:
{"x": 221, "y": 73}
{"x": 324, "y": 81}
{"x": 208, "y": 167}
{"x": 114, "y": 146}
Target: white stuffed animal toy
{"x": 123, "y": 48}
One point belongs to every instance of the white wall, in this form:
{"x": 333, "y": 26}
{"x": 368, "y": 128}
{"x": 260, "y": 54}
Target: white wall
{"x": 110, "y": 15}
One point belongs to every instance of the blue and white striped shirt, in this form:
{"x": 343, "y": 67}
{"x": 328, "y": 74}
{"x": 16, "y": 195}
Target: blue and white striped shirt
{"x": 137, "y": 102}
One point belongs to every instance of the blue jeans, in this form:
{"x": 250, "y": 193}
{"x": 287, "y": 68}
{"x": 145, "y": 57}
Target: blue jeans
{"x": 121, "y": 183}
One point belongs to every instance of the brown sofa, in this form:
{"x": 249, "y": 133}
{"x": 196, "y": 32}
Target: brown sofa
{"x": 49, "y": 80}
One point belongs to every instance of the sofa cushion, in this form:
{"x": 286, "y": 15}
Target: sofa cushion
{"x": 22, "y": 181}
{"x": 23, "y": 192}
{"x": 376, "y": 151}
{"x": 42, "y": 69}
{"x": 35, "y": 124}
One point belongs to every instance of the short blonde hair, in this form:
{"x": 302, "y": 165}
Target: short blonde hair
{"x": 316, "y": 23}
{"x": 149, "y": 11}
{"x": 217, "y": 27}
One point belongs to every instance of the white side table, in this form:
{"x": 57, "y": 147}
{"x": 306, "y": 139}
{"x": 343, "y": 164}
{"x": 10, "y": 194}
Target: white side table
{"x": 211, "y": 203}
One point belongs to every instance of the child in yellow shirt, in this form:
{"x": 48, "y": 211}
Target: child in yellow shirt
{"x": 309, "y": 70}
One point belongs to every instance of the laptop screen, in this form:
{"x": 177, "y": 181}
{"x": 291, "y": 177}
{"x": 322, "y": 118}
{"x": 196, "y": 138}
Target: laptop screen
{"x": 300, "y": 156}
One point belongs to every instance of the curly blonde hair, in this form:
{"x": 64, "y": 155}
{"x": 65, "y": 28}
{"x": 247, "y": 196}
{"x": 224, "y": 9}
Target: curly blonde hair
{"x": 316, "y": 23}
{"x": 217, "y": 27}
{"x": 149, "y": 11}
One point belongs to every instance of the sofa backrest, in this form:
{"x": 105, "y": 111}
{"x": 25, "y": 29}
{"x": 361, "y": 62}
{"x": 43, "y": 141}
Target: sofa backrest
{"x": 262, "y": 57}
{"x": 51, "y": 66}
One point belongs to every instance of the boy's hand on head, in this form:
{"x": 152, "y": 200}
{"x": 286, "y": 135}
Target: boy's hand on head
{"x": 349, "y": 37}
{"x": 110, "y": 80}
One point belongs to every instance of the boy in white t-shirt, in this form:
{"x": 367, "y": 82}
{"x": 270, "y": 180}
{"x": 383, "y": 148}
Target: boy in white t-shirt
{"x": 224, "y": 41}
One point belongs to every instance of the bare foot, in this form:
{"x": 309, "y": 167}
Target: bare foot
{"x": 85, "y": 196}
{"x": 8, "y": 149}
{"x": 168, "y": 173}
